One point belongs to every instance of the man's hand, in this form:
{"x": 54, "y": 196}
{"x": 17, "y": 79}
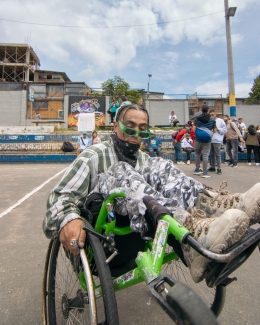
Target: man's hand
{"x": 242, "y": 140}
{"x": 73, "y": 230}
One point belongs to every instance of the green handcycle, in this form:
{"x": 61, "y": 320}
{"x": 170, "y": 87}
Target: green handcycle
{"x": 81, "y": 289}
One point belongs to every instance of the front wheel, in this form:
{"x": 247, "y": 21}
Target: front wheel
{"x": 188, "y": 308}
{"x": 213, "y": 297}
{"x": 67, "y": 298}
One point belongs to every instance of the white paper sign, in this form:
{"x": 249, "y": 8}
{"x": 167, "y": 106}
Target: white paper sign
{"x": 86, "y": 122}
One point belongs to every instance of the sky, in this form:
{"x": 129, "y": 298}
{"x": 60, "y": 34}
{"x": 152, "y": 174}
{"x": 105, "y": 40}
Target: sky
{"x": 182, "y": 43}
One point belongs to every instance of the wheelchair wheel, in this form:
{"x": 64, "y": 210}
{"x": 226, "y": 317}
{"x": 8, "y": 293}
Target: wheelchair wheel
{"x": 67, "y": 297}
{"x": 214, "y": 298}
{"x": 188, "y": 307}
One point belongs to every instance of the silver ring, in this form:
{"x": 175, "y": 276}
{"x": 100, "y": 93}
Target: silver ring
{"x": 73, "y": 242}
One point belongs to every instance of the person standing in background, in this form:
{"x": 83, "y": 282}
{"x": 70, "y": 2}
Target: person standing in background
{"x": 242, "y": 129}
{"x": 95, "y": 138}
{"x": 38, "y": 115}
{"x": 216, "y": 143}
{"x": 122, "y": 102}
{"x": 204, "y": 127}
{"x": 227, "y": 158}
{"x": 232, "y": 136}
{"x": 252, "y": 139}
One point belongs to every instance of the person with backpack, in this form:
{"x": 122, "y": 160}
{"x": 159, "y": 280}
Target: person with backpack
{"x": 204, "y": 126}
{"x": 232, "y": 136}
{"x": 83, "y": 142}
{"x": 177, "y": 137}
{"x": 252, "y": 139}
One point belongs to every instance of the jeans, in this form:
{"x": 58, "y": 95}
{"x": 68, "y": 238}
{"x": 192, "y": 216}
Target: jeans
{"x": 232, "y": 144}
{"x": 188, "y": 152}
{"x": 256, "y": 153}
{"x": 215, "y": 155}
{"x": 204, "y": 148}
{"x": 178, "y": 153}
{"x": 157, "y": 151}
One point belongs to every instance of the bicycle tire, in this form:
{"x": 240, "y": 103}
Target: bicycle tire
{"x": 63, "y": 287}
{"x": 213, "y": 297}
{"x": 188, "y": 306}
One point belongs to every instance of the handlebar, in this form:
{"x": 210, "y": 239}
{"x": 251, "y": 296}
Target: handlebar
{"x": 157, "y": 211}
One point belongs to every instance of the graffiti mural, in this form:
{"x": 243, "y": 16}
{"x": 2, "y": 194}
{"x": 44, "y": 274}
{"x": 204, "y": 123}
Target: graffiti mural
{"x": 86, "y": 104}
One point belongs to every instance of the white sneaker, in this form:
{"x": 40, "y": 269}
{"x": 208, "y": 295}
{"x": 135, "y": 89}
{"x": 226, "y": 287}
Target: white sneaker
{"x": 188, "y": 162}
{"x": 180, "y": 163}
{"x": 215, "y": 234}
{"x": 215, "y": 203}
{"x": 257, "y": 164}
{"x": 249, "y": 164}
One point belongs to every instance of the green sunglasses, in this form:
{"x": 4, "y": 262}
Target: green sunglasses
{"x": 132, "y": 132}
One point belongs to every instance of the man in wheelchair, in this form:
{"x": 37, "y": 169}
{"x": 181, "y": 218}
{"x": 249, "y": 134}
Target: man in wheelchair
{"x": 216, "y": 219}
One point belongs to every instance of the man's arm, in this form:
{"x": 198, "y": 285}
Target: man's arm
{"x": 221, "y": 127}
{"x": 235, "y": 128}
{"x": 78, "y": 146}
{"x": 214, "y": 127}
{"x": 64, "y": 204}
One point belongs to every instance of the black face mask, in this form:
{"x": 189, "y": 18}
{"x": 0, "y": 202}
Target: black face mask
{"x": 125, "y": 151}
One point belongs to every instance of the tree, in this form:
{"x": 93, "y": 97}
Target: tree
{"x": 254, "y": 95}
{"x": 117, "y": 87}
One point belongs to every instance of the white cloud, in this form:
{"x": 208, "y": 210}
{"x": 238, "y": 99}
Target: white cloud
{"x": 200, "y": 55}
{"x": 221, "y": 87}
{"x": 254, "y": 71}
{"x": 216, "y": 74}
{"x": 100, "y": 52}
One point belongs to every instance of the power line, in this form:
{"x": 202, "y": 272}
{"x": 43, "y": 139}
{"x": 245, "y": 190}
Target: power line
{"x": 106, "y": 27}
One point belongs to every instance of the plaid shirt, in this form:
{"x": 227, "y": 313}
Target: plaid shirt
{"x": 66, "y": 199}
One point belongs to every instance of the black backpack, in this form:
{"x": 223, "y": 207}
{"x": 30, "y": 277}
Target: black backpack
{"x": 67, "y": 146}
{"x": 175, "y": 133}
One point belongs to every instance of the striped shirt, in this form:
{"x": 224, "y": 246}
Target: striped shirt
{"x": 68, "y": 197}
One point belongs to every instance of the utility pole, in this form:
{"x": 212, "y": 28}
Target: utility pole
{"x": 230, "y": 12}
{"x": 149, "y": 75}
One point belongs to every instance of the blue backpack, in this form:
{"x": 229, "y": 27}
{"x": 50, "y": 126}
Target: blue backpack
{"x": 203, "y": 134}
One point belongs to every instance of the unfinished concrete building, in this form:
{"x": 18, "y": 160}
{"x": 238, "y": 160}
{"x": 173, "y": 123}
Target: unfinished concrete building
{"x": 17, "y": 62}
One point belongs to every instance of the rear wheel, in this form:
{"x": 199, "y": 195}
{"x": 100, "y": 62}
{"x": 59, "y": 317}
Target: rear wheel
{"x": 214, "y": 298}
{"x": 67, "y": 298}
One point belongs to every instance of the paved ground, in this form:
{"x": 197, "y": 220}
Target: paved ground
{"x": 23, "y": 247}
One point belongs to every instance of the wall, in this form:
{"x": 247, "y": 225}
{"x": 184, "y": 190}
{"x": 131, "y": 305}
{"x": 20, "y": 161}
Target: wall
{"x": 249, "y": 113}
{"x": 160, "y": 110}
{"x": 13, "y": 107}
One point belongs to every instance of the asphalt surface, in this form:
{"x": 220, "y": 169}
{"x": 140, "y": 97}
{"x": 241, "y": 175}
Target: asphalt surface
{"x": 23, "y": 248}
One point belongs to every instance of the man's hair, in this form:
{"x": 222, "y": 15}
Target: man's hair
{"x": 123, "y": 109}
{"x": 124, "y": 99}
{"x": 212, "y": 110}
{"x": 204, "y": 108}
{"x": 226, "y": 116}
{"x": 240, "y": 118}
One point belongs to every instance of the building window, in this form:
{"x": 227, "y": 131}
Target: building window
{"x": 40, "y": 104}
{"x": 49, "y": 76}
{"x": 210, "y": 103}
{"x": 56, "y": 76}
{"x": 41, "y": 76}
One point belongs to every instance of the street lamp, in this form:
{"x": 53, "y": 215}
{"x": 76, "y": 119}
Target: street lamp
{"x": 230, "y": 12}
{"x": 149, "y": 75}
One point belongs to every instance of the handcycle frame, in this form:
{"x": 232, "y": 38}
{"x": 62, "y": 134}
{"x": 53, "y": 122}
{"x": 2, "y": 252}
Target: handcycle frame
{"x": 151, "y": 259}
